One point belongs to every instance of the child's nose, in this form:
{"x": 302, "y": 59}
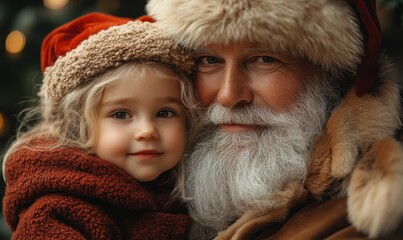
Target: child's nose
{"x": 146, "y": 130}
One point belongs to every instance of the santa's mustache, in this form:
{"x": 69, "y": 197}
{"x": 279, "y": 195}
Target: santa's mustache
{"x": 247, "y": 115}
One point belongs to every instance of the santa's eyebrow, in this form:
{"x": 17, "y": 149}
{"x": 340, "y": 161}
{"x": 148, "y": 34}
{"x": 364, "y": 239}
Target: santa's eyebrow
{"x": 203, "y": 51}
{"x": 264, "y": 49}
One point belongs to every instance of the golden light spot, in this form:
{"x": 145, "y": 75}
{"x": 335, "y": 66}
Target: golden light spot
{"x": 55, "y": 4}
{"x": 2, "y": 125}
{"x": 15, "y": 42}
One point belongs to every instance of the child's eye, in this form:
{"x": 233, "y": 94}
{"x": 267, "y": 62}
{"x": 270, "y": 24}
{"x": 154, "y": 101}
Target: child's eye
{"x": 121, "y": 115}
{"x": 166, "y": 114}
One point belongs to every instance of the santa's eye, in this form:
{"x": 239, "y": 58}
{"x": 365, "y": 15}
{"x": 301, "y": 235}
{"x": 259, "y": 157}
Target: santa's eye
{"x": 266, "y": 59}
{"x": 208, "y": 60}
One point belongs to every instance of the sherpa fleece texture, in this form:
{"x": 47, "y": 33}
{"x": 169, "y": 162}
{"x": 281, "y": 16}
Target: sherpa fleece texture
{"x": 67, "y": 194}
{"x": 100, "y": 50}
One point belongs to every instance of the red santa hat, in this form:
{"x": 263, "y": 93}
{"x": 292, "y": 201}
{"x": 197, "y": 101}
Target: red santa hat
{"x": 77, "y": 51}
{"x": 338, "y": 35}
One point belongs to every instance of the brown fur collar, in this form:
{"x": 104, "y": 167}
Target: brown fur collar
{"x": 357, "y": 157}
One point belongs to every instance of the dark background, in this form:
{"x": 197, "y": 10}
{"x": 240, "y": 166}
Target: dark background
{"x": 20, "y": 72}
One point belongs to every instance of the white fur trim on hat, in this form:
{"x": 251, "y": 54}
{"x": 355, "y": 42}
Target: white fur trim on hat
{"x": 325, "y": 31}
{"x": 111, "y": 48}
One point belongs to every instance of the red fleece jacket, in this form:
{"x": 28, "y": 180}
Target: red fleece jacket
{"x": 67, "y": 194}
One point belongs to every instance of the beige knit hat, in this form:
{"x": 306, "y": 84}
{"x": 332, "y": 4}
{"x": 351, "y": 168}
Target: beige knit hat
{"x": 77, "y": 51}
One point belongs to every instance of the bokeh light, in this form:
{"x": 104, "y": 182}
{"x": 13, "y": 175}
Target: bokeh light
{"x": 15, "y": 42}
{"x": 3, "y": 125}
{"x": 55, "y": 4}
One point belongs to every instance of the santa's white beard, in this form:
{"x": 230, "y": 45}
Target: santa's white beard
{"x": 231, "y": 172}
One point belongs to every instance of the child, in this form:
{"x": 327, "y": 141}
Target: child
{"x": 115, "y": 111}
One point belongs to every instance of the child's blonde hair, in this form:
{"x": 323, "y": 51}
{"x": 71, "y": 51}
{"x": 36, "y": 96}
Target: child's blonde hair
{"x": 80, "y": 59}
{"x": 72, "y": 121}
